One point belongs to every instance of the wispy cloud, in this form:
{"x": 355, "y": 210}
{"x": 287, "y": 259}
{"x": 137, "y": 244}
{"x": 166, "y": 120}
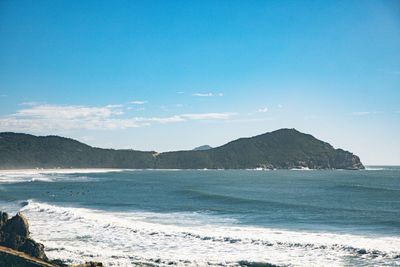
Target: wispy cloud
{"x": 361, "y": 113}
{"x": 30, "y": 103}
{"x": 48, "y": 118}
{"x": 249, "y": 120}
{"x": 115, "y": 106}
{"x": 138, "y": 102}
{"x": 207, "y": 94}
{"x": 365, "y": 113}
{"x": 203, "y": 94}
{"x": 68, "y": 112}
{"x": 3, "y": 95}
{"x": 263, "y": 110}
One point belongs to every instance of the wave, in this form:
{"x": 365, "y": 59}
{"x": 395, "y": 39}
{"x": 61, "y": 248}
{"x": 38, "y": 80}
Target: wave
{"x": 367, "y": 188}
{"x": 128, "y": 238}
{"x": 236, "y": 200}
{"x": 11, "y": 177}
{"x": 382, "y": 168}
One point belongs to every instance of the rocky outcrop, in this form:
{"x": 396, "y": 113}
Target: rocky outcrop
{"x": 17, "y": 249}
{"x": 13, "y": 258}
{"x": 14, "y": 234}
{"x": 3, "y": 218}
{"x": 89, "y": 264}
{"x": 17, "y": 225}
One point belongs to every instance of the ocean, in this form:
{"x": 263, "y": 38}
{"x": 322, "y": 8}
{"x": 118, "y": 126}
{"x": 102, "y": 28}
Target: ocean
{"x": 211, "y": 217}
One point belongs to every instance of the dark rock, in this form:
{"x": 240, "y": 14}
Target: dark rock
{"x": 362, "y": 251}
{"x": 18, "y": 225}
{"x": 2, "y": 237}
{"x": 34, "y": 249}
{"x": 14, "y": 234}
{"x": 90, "y": 264}
{"x": 255, "y": 264}
{"x": 3, "y": 218}
{"x": 13, "y": 241}
{"x": 59, "y": 263}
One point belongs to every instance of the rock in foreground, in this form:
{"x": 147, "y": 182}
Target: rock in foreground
{"x": 14, "y": 234}
{"x": 17, "y": 249}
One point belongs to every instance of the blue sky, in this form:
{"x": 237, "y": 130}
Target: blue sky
{"x": 167, "y": 75}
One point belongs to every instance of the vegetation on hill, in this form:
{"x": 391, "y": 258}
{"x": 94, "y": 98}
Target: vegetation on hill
{"x": 281, "y": 149}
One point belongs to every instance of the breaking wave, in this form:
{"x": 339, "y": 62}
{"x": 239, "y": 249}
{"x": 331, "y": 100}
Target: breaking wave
{"x": 24, "y": 176}
{"x": 194, "y": 239}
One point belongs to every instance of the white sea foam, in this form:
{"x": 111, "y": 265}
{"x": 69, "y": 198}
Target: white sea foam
{"x": 48, "y": 175}
{"x": 193, "y": 239}
{"x": 374, "y": 169}
{"x": 382, "y": 168}
{"x": 301, "y": 169}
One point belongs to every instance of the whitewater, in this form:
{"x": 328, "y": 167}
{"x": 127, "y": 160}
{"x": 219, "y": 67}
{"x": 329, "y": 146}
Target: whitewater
{"x": 211, "y": 218}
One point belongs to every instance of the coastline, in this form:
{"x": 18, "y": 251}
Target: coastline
{"x": 63, "y": 170}
{"x": 106, "y": 170}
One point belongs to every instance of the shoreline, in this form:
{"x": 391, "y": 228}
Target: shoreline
{"x": 105, "y": 170}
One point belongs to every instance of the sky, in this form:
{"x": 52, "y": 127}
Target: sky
{"x": 173, "y": 75}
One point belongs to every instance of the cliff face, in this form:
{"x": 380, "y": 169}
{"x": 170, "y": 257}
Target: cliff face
{"x": 281, "y": 149}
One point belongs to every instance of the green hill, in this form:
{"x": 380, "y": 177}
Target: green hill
{"x": 281, "y": 149}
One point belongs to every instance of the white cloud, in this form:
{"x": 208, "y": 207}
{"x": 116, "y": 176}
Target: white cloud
{"x": 263, "y": 110}
{"x": 203, "y": 94}
{"x": 361, "y": 113}
{"x": 364, "y": 113}
{"x": 280, "y": 106}
{"x": 188, "y": 117}
{"x": 208, "y": 94}
{"x": 249, "y": 120}
{"x": 45, "y": 118}
{"x": 208, "y": 116}
{"x": 115, "y": 106}
{"x": 30, "y": 103}
{"x": 67, "y": 112}
{"x": 137, "y": 102}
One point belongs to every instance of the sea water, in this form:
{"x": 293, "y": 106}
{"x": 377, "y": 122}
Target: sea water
{"x": 211, "y": 217}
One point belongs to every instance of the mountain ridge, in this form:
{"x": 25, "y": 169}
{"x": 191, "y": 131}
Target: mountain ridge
{"x": 280, "y": 149}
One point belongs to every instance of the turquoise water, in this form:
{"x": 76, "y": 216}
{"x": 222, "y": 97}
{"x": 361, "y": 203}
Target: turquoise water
{"x": 211, "y": 217}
